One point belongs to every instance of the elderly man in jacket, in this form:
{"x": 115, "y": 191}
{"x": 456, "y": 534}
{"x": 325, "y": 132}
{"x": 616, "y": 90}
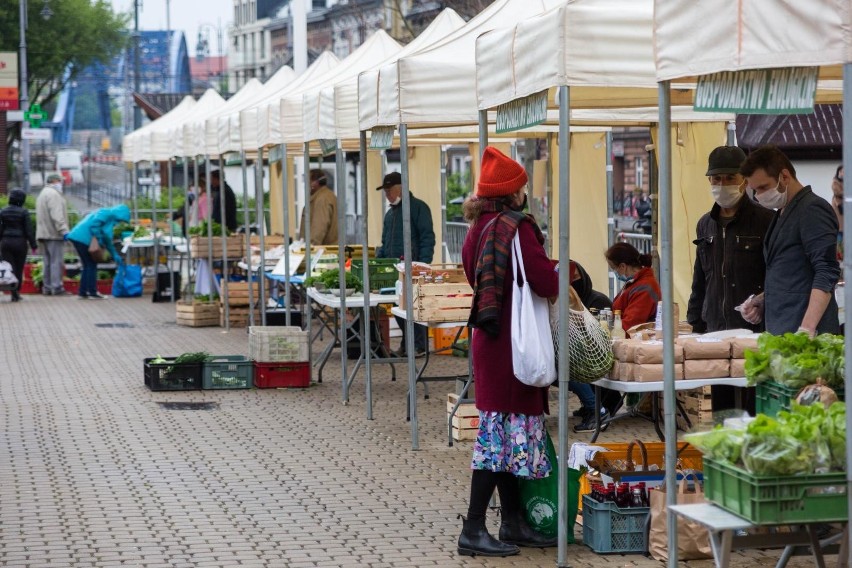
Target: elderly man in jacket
{"x": 729, "y": 262}
{"x": 800, "y": 249}
{"x": 51, "y": 228}
{"x": 323, "y": 211}
{"x": 422, "y": 241}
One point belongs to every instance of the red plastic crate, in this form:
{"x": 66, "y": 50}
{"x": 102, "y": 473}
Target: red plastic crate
{"x": 105, "y": 287}
{"x": 71, "y": 286}
{"x": 29, "y": 287}
{"x": 282, "y": 375}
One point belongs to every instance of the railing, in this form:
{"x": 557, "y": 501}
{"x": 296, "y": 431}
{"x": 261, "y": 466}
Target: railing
{"x": 454, "y": 238}
{"x": 641, "y": 241}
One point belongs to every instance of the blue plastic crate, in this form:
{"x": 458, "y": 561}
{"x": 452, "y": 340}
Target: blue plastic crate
{"x": 607, "y": 528}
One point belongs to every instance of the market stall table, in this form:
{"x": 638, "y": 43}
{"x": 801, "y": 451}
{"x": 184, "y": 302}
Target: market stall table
{"x": 331, "y": 322}
{"x": 468, "y": 380}
{"x": 725, "y": 529}
{"x": 653, "y": 389}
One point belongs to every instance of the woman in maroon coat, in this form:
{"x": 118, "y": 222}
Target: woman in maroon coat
{"x": 511, "y": 438}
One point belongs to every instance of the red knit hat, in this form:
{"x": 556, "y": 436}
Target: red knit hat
{"x": 500, "y": 174}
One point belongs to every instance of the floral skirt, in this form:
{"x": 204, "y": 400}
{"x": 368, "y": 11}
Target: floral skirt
{"x": 513, "y": 443}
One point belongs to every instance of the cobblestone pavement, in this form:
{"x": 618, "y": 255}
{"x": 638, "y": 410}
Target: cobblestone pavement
{"x": 96, "y": 473}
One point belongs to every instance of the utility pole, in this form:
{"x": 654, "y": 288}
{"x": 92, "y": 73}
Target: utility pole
{"x": 89, "y": 174}
{"x": 137, "y": 112}
{"x": 25, "y": 104}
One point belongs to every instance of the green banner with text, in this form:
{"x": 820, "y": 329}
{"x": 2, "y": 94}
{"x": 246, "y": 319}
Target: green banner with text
{"x": 790, "y": 90}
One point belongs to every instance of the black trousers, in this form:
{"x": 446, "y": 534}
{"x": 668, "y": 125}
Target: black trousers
{"x": 14, "y": 251}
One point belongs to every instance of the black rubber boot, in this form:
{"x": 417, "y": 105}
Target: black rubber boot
{"x": 474, "y": 539}
{"x": 515, "y": 530}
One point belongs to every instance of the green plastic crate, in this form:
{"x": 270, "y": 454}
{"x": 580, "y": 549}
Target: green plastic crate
{"x": 607, "y": 528}
{"x": 227, "y": 372}
{"x": 774, "y": 397}
{"x": 776, "y": 499}
{"x": 383, "y": 272}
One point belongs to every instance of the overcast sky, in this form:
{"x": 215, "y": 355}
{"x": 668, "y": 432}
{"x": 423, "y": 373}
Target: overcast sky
{"x": 185, "y": 15}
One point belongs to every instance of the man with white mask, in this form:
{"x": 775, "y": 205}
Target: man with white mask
{"x": 51, "y": 228}
{"x": 729, "y": 261}
{"x": 800, "y": 249}
{"x": 422, "y": 241}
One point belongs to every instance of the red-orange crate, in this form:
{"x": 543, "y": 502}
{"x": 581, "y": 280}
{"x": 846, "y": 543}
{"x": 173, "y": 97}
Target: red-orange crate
{"x": 282, "y": 375}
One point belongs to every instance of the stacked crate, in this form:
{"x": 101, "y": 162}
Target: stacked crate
{"x": 238, "y": 303}
{"x": 698, "y": 407}
{"x": 280, "y": 356}
{"x": 197, "y": 314}
{"x": 465, "y": 420}
{"x": 198, "y": 247}
{"x": 441, "y": 293}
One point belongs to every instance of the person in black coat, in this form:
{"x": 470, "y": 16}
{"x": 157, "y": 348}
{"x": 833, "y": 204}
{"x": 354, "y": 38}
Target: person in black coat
{"x": 16, "y": 230}
{"x": 230, "y": 200}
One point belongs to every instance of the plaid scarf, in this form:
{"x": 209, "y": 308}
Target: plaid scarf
{"x": 495, "y": 253}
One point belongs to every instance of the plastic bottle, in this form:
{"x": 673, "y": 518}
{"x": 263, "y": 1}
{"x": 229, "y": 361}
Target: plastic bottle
{"x": 602, "y": 321}
{"x": 617, "y": 330}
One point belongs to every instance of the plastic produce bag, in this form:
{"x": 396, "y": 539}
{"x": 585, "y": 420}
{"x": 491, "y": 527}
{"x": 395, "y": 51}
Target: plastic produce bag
{"x": 539, "y": 498}
{"x": 723, "y": 444}
{"x": 128, "y": 281}
{"x": 771, "y": 448}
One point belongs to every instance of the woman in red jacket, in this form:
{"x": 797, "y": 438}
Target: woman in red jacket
{"x": 638, "y": 299}
{"x": 511, "y": 438}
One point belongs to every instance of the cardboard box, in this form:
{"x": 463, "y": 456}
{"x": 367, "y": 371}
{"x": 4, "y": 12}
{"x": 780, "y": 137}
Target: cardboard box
{"x": 705, "y": 348}
{"x": 706, "y": 368}
{"x": 737, "y": 368}
{"x": 740, "y": 344}
{"x": 654, "y": 372}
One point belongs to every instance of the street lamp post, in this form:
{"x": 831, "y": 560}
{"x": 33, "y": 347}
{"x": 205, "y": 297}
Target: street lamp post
{"x": 25, "y": 101}
{"x": 206, "y": 27}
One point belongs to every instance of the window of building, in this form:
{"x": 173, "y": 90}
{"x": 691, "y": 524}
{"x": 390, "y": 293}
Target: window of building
{"x": 262, "y": 44}
{"x": 640, "y": 173}
{"x": 237, "y": 15}
{"x": 252, "y": 12}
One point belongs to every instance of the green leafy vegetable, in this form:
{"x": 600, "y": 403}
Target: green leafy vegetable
{"x": 331, "y": 279}
{"x": 200, "y": 230}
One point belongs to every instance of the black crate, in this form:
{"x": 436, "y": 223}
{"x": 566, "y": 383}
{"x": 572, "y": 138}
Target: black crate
{"x": 173, "y": 376}
{"x": 164, "y": 292}
{"x": 279, "y": 317}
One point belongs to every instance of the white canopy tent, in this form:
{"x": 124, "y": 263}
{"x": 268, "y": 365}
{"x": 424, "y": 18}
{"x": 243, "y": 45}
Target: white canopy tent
{"x": 207, "y": 128}
{"x": 136, "y": 145}
{"x": 378, "y": 47}
{"x": 247, "y": 125}
{"x": 332, "y": 112}
{"x": 231, "y": 137}
{"x": 166, "y": 140}
{"x": 184, "y": 142}
{"x": 744, "y": 36}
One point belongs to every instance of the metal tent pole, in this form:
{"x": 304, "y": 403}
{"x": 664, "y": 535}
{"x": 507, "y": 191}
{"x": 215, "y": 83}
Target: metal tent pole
{"x": 367, "y": 338}
{"x": 483, "y": 134}
{"x": 307, "y": 231}
{"x": 340, "y": 188}
{"x": 285, "y": 198}
{"x": 664, "y": 159}
{"x": 564, "y": 304}
{"x": 209, "y": 200}
{"x": 259, "y": 198}
{"x": 246, "y": 223}
{"x": 444, "y": 258}
{"x": 610, "y": 204}
{"x": 171, "y": 235}
{"x": 847, "y": 277}
{"x": 224, "y": 216}
{"x": 407, "y": 286}
{"x": 732, "y": 133}
{"x": 156, "y": 191}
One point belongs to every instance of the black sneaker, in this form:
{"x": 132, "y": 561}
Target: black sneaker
{"x": 96, "y": 296}
{"x": 590, "y": 424}
{"x": 584, "y": 413}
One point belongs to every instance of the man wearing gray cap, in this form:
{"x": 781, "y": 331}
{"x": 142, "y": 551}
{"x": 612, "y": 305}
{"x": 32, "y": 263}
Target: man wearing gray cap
{"x": 729, "y": 264}
{"x": 51, "y": 228}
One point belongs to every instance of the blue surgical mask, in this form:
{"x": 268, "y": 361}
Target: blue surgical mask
{"x": 623, "y": 277}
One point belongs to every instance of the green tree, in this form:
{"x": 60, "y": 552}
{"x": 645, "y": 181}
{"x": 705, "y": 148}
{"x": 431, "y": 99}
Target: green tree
{"x": 80, "y": 33}
{"x": 458, "y": 185}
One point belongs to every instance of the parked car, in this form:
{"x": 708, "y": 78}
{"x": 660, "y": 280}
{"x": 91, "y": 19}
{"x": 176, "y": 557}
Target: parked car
{"x": 70, "y": 163}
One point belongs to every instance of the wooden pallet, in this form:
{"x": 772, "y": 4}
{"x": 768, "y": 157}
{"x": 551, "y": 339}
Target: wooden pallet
{"x": 197, "y": 314}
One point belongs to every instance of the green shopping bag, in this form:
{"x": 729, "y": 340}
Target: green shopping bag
{"x": 539, "y": 498}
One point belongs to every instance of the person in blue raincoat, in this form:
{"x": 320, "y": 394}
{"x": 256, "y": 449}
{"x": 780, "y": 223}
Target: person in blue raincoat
{"x": 91, "y": 236}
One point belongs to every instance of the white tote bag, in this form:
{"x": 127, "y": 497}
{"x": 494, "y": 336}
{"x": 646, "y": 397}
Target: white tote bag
{"x": 532, "y": 345}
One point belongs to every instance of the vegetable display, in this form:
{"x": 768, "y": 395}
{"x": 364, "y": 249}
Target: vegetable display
{"x": 190, "y": 357}
{"x": 808, "y": 439}
{"x": 200, "y": 230}
{"x": 795, "y": 360}
{"x": 331, "y": 279}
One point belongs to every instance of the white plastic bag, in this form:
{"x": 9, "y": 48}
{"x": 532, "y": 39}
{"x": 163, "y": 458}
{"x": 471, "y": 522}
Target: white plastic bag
{"x": 7, "y": 276}
{"x": 532, "y": 345}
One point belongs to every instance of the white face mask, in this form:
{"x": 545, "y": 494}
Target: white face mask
{"x": 726, "y": 196}
{"x": 396, "y": 201}
{"x": 772, "y": 198}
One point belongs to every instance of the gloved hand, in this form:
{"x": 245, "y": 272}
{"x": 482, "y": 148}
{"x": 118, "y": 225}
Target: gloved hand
{"x": 752, "y": 309}
{"x": 65, "y": 237}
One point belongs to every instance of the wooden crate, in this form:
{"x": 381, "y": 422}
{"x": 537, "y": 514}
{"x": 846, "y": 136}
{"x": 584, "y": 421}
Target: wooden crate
{"x": 269, "y": 241}
{"x": 698, "y": 407}
{"x": 234, "y": 246}
{"x": 197, "y": 314}
{"x": 449, "y": 300}
{"x": 465, "y": 421}
{"x": 238, "y": 293}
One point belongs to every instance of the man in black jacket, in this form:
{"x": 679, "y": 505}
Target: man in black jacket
{"x": 729, "y": 264}
{"x": 230, "y": 200}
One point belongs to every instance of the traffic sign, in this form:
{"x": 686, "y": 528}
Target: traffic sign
{"x": 35, "y": 115}
{"x": 37, "y": 134}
